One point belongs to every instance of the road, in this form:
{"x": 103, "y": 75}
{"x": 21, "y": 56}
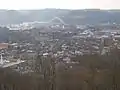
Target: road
{"x": 12, "y": 63}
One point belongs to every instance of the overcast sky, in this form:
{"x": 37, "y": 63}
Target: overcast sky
{"x": 63, "y": 4}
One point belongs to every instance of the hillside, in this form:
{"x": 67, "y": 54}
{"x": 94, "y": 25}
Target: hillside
{"x": 90, "y": 16}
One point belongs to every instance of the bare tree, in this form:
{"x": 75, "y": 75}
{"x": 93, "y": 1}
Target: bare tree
{"x": 45, "y": 67}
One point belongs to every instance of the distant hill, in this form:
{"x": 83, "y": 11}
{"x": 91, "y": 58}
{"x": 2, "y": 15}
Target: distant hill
{"x": 87, "y": 16}
{"x": 4, "y": 34}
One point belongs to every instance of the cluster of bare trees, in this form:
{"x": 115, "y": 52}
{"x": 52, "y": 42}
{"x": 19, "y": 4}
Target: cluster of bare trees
{"x": 45, "y": 67}
{"x": 93, "y": 72}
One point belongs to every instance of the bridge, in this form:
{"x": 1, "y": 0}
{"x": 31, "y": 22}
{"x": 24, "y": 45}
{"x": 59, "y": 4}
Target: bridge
{"x": 57, "y": 18}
